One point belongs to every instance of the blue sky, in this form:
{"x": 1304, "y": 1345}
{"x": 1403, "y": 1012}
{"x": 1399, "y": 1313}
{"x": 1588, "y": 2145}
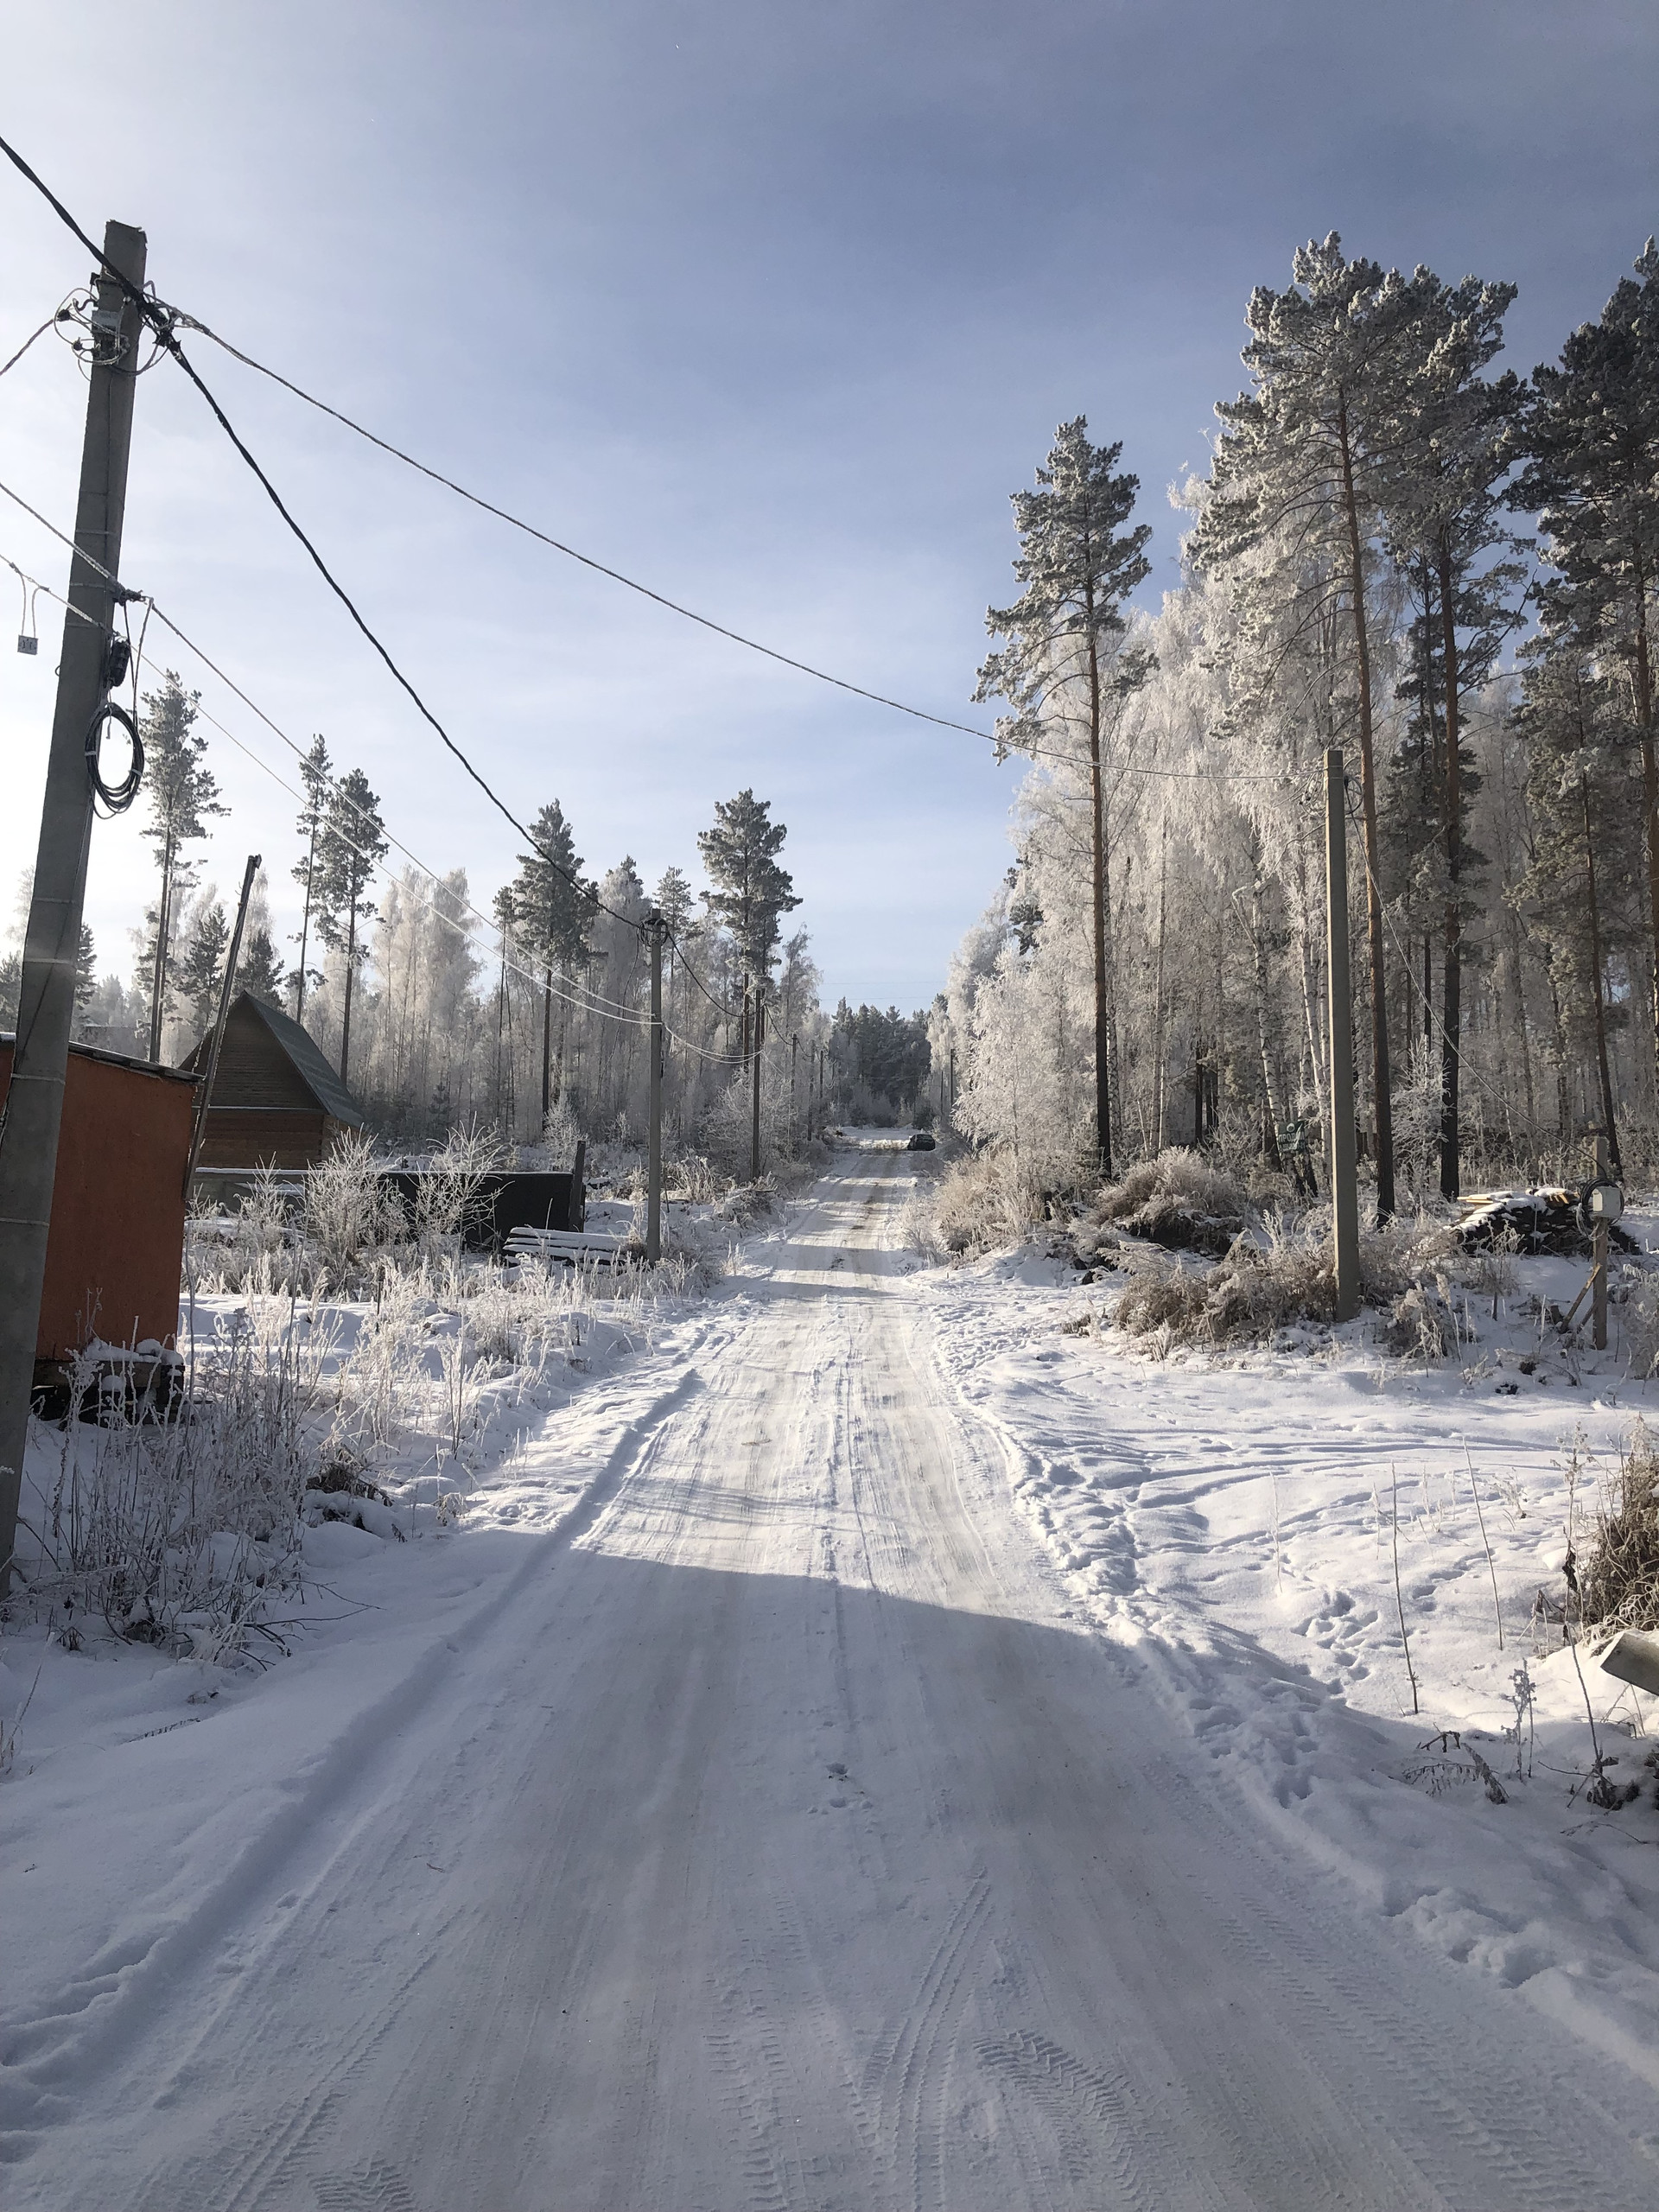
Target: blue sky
{"x": 772, "y": 305}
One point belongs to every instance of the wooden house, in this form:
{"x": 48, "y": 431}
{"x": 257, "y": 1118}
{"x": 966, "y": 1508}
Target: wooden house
{"x": 115, "y": 1249}
{"x": 277, "y": 1102}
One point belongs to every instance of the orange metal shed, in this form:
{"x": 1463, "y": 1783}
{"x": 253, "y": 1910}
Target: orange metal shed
{"x": 115, "y": 1248}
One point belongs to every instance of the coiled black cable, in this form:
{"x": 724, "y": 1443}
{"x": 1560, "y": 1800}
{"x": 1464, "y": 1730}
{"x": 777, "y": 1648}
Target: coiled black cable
{"x": 115, "y": 797}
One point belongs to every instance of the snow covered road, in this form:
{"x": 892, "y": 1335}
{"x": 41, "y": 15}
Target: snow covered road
{"x": 774, "y": 1833}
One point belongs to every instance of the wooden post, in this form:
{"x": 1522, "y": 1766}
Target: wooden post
{"x": 1345, "y": 1184}
{"x": 46, "y": 998}
{"x": 654, "y": 1155}
{"x": 227, "y": 989}
{"x": 759, "y": 1033}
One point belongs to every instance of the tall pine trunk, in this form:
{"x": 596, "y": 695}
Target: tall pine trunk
{"x": 305, "y": 928}
{"x": 158, "y": 979}
{"x": 1380, "y": 1076}
{"x": 1452, "y": 1019}
{"x": 1102, "y": 997}
{"x": 1650, "y": 790}
{"x": 1597, "y": 996}
{"x": 351, "y": 972}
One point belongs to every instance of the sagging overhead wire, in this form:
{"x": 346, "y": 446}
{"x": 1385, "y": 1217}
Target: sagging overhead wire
{"x": 27, "y": 343}
{"x": 163, "y": 321}
{"x": 590, "y": 1002}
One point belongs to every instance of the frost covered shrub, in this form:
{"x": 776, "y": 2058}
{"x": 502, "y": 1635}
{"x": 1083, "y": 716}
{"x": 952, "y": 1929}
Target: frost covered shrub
{"x": 1178, "y": 1175}
{"x": 746, "y": 1203}
{"x": 255, "y": 1249}
{"x": 446, "y": 1197}
{"x": 1618, "y": 1579}
{"x": 346, "y": 1217}
{"x": 1422, "y": 1324}
{"x": 178, "y": 1532}
{"x": 1250, "y": 1294}
{"x": 1259, "y": 1288}
{"x": 983, "y": 1202}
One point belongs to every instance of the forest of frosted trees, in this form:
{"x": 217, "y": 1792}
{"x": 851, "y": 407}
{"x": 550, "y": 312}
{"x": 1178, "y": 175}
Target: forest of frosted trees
{"x": 1449, "y": 573}
{"x": 1399, "y": 549}
{"x": 527, "y": 1019}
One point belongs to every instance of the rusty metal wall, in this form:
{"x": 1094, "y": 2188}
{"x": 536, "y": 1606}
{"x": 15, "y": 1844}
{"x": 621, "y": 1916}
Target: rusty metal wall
{"x": 117, "y": 1243}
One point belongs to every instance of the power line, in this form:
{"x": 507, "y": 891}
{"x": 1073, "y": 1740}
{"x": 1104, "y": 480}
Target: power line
{"x": 591, "y": 1002}
{"x": 27, "y": 343}
{"x": 164, "y": 319}
{"x": 557, "y": 545}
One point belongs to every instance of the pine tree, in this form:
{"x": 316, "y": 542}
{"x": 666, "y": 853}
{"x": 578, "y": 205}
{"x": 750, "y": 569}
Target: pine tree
{"x": 750, "y": 893}
{"x": 85, "y": 969}
{"x": 201, "y": 964}
{"x": 259, "y": 972}
{"x": 554, "y": 911}
{"x": 1446, "y": 453}
{"x": 183, "y": 793}
{"x": 1065, "y": 663}
{"x": 351, "y": 844}
{"x": 1584, "y": 792}
{"x": 318, "y": 777}
{"x": 1591, "y": 442}
{"x": 1302, "y": 460}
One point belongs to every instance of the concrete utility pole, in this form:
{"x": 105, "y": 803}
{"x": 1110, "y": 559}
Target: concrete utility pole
{"x": 654, "y": 1152}
{"x": 1345, "y": 1182}
{"x": 754, "y": 1136}
{"x": 45, "y": 998}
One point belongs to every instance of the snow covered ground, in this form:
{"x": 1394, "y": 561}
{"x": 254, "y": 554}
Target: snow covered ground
{"x": 862, "y": 1746}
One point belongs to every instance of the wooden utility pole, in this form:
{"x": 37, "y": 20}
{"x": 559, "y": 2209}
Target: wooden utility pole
{"x": 794, "y": 1109}
{"x": 227, "y": 989}
{"x": 45, "y": 998}
{"x": 1344, "y": 1184}
{"x": 654, "y": 1152}
{"x": 755, "y": 1133}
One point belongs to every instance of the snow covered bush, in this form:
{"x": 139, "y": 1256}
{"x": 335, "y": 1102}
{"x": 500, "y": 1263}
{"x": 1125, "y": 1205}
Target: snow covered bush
{"x": 348, "y": 1222}
{"x": 1618, "y": 1580}
{"x": 1178, "y": 1175}
{"x": 1286, "y": 1276}
{"x": 985, "y": 1201}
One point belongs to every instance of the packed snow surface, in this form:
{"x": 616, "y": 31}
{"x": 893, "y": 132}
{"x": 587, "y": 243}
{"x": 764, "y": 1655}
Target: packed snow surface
{"x": 869, "y": 1748}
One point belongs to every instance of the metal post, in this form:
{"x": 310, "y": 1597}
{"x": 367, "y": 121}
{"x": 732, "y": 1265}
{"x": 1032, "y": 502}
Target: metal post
{"x": 204, "y": 1096}
{"x": 45, "y": 1000}
{"x": 759, "y": 1033}
{"x": 1599, "y": 1255}
{"x": 1345, "y": 1184}
{"x": 654, "y": 1154}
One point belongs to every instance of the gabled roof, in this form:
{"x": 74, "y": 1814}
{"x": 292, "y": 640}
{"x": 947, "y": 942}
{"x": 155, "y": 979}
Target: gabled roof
{"x": 306, "y": 1057}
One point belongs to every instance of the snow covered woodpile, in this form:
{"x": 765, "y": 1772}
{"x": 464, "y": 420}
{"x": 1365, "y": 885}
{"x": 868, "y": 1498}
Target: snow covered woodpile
{"x": 1545, "y": 1221}
{"x": 117, "y": 1240}
{"x": 277, "y": 1102}
{"x": 1180, "y": 1201}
